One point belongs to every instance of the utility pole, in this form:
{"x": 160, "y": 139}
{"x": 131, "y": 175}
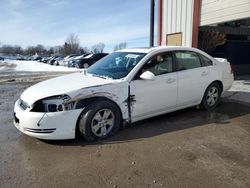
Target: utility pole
{"x": 152, "y": 16}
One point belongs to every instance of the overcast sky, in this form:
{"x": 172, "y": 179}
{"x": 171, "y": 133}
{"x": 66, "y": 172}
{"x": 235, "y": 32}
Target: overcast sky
{"x": 49, "y": 22}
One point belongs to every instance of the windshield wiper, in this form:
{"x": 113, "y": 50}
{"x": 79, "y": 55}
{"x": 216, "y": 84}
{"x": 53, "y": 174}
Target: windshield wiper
{"x": 99, "y": 76}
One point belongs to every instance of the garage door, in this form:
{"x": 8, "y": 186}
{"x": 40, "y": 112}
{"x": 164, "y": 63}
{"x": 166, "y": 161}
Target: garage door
{"x": 219, "y": 11}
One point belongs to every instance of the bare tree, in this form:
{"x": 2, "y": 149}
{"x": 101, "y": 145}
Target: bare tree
{"x": 98, "y": 48}
{"x": 72, "y": 45}
{"x": 40, "y": 49}
{"x": 209, "y": 40}
{"x": 31, "y": 50}
{"x": 84, "y": 50}
{"x": 50, "y": 51}
{"x": 17, "y": 49}
{"x": 120, "y": 46}
{"x": 7, "y": 49}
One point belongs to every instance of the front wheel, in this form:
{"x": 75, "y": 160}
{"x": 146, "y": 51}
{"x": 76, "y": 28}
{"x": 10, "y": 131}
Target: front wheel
{"x": 212, "y": 96}
{"x": 101, "y": 119}
{"x": 78, "y": 66}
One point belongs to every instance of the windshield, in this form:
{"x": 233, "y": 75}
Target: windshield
{"x": 116, "y": 65}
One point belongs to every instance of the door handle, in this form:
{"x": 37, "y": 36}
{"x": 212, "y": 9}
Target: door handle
{"x": 204, "y": 73}
{"x": 170, "y": 80}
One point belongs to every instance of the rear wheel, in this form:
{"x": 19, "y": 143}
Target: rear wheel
{"x": 212, "y": 96}
{"x": 85, "y": 65}
{"x": 99, "y": 120}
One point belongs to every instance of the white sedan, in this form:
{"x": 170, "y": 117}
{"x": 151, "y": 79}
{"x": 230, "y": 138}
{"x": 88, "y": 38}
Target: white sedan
{"x": 126, "y": 86}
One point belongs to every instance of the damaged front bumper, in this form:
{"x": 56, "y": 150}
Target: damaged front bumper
{"x": 50, "y": 125}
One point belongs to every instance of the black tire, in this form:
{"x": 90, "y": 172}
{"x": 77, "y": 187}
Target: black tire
{"x": 87, "y": 120}
{"x": 211, "y": 96}
{"x": 78, "y": 65}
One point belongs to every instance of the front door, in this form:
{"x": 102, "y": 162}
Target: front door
{"x": 157, "y": 96}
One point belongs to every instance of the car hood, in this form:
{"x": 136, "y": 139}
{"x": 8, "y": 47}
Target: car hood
{"x": 61, "y": 85}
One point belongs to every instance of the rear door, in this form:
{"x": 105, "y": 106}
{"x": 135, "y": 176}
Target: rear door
{"x": 193, "y": 78}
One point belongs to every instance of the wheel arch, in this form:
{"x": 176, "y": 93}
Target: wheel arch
{"x": 219, "y": 82}
{"x": 205, "y": 106}
{"x": 87, "y": 101}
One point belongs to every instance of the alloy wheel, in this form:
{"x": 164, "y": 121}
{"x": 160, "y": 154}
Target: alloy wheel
{"x": 102, "y": 122}
{"x": 212, "y": 96}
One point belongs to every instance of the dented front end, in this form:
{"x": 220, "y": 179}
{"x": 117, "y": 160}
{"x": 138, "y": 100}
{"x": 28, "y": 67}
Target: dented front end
{"x": 45, "y": 125}
{"x": 55, "y": 117}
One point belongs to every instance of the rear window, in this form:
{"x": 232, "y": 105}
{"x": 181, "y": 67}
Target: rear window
{"x": 187, "y": 60}
{"x": 206, "y": 61}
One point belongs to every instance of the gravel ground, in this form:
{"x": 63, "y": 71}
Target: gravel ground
{"x": 188, "y": 148}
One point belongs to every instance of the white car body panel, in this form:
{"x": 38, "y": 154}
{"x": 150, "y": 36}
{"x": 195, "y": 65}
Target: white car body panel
{"x": 191, "y": 86}
{"x": 137, "y": 99}
{"x": 61, "y": 121}
{"x": 223, "y": 68}
{"x": 59, "y": 85}
{"x": 148, "y": 102}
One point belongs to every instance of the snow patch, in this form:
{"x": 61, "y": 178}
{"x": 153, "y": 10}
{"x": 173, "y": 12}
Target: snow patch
{"x": 241, "y": 85}
{"x": 33, "y": 66}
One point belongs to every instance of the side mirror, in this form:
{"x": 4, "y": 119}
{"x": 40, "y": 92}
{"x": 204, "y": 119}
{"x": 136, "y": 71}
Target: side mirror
{"x": 147, "y": 76}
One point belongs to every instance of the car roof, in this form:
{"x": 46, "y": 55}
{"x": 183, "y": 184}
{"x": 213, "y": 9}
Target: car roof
{"x": 147, "y": 50}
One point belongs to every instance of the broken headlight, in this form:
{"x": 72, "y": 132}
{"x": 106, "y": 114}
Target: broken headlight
{"x": 54, "y": 104}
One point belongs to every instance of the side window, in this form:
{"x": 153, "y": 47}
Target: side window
{"x": 206, "y": 61}
{"x": 187, "y": 60}
{"x": 159, "y": 64}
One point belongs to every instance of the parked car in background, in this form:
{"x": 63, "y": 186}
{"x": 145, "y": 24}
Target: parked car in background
{"x": 52, "y": 60}
{"x": 126, "y": 86}
{"x": 45, "y": 59}
{"x": 20, "y": 58}
{"x": 89, "y": 60}
{"x": 41, "y": 59}
{"x": 37, "y": 58}
{"x": 29, "y": 58}
{"x": 58, "y": 60}
{"x": 67, "y": 59}
{"x": 73, "y": 61}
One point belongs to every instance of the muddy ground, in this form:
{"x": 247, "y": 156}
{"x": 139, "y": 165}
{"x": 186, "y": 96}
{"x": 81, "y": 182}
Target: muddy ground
{"x": 188, "y": 148}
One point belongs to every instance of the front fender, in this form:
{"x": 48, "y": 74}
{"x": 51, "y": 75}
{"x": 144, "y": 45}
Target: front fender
{"x": 117, "y": 93}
